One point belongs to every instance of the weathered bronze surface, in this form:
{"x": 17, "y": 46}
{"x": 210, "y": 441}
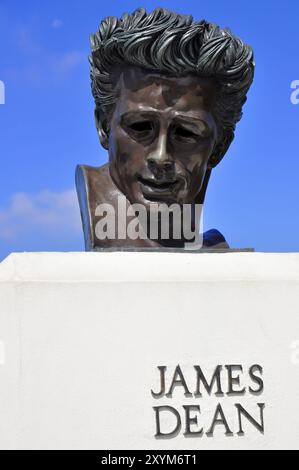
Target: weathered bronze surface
{"x": 168, "y": 93}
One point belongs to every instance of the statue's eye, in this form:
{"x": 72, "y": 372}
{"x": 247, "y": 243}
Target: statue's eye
{"x": 141, "y": 126}
{"x": 184, "y": 133}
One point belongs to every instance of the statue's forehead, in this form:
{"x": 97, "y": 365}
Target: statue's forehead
{"x": 160, "y": 91}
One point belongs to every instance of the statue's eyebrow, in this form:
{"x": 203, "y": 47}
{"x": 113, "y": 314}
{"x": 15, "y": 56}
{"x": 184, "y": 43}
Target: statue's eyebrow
{"x": 140, "y": 113}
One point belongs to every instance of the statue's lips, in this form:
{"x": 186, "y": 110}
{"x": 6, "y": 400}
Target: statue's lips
{"x": 153, "y": 186}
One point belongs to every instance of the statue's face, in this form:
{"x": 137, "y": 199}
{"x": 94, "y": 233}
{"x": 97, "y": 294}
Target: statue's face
{"x": 162, "y": 135}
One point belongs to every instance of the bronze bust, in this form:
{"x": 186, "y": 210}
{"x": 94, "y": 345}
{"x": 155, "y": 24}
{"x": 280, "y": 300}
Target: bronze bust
{"x": 168, "y": 93}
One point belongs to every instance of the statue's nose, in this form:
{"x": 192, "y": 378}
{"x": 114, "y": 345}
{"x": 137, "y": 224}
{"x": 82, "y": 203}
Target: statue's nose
{"x": 162, "y": 170}
{"x": 160, "y": 163}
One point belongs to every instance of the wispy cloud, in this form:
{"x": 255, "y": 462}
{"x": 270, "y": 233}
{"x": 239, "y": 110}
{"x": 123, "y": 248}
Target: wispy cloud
{"x": 57, "y": 23}
{"x": 36, "y": 62}
{"x": 25, "y": 40}
{"x": 64, "y": 64}
{"x": 42, "y": 214}
{"x": 47, "y": 69}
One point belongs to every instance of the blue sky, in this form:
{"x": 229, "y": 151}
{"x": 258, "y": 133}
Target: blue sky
{"x": 47, "y": 126}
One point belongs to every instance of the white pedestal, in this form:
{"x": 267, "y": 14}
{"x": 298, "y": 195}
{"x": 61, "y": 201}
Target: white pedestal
{"x": 82, "y": 335}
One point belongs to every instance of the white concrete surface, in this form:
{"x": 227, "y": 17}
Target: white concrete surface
{"x": 82, "y": 335}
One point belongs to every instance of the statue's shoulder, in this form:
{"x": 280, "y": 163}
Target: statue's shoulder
{"x": 90, "y": 174}
{"x": 213, "y": 239}
{"x": 91, "y": 185}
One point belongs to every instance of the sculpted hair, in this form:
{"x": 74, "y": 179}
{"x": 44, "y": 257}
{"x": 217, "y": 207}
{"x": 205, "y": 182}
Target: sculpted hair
{"x": 174, "y": 44}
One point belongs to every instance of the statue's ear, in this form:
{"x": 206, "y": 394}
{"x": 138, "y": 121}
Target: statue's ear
{"x": 102, "y": 130}
{"x": 220, "y": 149}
